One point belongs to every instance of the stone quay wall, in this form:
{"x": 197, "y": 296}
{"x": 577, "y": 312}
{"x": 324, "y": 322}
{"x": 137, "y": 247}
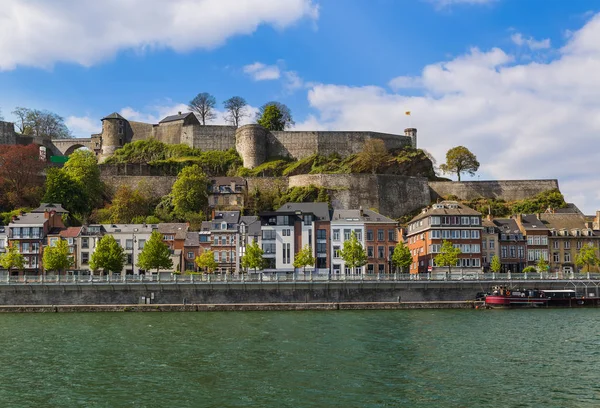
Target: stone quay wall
{"x": 508, "y": 190}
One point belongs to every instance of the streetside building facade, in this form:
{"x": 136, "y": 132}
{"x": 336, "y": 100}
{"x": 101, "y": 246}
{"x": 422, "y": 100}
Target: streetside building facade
{"x": 513, "y": 245}
{"x": 537, "y": 237}
{"x": 445, "y": 221}
{"x": 225, "y": 236}
{"x": 489, "y": 243}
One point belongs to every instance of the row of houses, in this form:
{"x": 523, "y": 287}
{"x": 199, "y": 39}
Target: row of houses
{"x": 519, "y": 241}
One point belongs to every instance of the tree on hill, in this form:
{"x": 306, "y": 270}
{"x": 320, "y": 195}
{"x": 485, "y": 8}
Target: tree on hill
{"x": 57, "y": 257}
{"x": 206, "y": 260}
{"x": 373, "y": 156}
{"x": 108, "y": 256}
{"x": 20, "y": 174}
{"x": 401, "y": 258}
{"x": 61, "y": 188}
{"x": 204, "y": 107}
{"x": 128, "y": 204}
{"x": 448, "y": 255}
{"x": 156, "y": 254}
{"x": 587, "y": 257}
{"x": 12, "y": 258}
{"x": 495, "y": 265}
{"x": 353, "y": 253}
{"x": 304, "y": 258}
{"x": 253, "y": 258}
{"x": 235, "y": 110}
{"x": 41, "y": 123}
{"x": 190, "y": 191}
{"x": 82, "y": 167}
{"x": 275, "y": 116}
{"x": 460, "y": 160}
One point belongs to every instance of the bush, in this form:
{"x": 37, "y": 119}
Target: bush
{"x": 529, "y": 269}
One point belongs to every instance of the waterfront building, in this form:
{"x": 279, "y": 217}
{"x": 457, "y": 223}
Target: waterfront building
{"x": 227, "y": 193}
{"x": 224, "y": 232}
{"x": 174, "y": 235}
{"x": 249, "y": 232}
{"x": 70, "y": 235}
{"x": 513, "y": 245}
{"x": 489, "y": 242}
{"x": 381, "y": 240}
{"x": 537, "y": 237}
{"x": 191, "y": 250}
{"x": 445, "y": 221}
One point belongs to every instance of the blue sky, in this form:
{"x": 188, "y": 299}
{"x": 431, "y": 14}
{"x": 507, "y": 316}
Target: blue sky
{"x": 513, "y": 80}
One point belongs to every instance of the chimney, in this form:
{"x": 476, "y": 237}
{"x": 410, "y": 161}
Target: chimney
{"x": 179, "y": 113}
{"x": 360, "y": 211}
{"x": 22, "y": 213}
{"x": 489, "y": 217}
{"x": 213, "y": 214}
{"x": 14, "y": 218}
{"x": 46, "y": 214}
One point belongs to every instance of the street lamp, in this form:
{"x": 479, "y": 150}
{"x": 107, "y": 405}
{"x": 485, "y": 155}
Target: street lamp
{"x": 133, "y": 251}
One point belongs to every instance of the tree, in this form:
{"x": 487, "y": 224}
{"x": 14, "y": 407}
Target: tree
{"x": 304, "y": 258}
{"x": 587, "y": 257}
{"x": 542, "y": 264}
{"x": 128, "y": 204}
{"x": 448, "y": 255}
{"x": 253, "y": 258}
{"x": 20, "y": 174}
{"x": 279, "y": 118}
{"x": 108, "y": 256}
{"x": 41, "y": 123}
{"x": 12, "y": 258}
{"x": 373, "y": 156}
{"x": 459, "y": 160}
{"x": 495, "y": 265}
{"x": 82, "y": 167}
{"x": 190, "y": 190}
{"x": 353, "y": 253}
{"x": 57, "y": 257}
{"x": 207, "y": 261}
{"x": 402, "y": 257}
{"x": 61, "y": 188}
{"x": 204, "y": 105}
{"x": 235, "y": 110}
{"x": 156, "y": 254}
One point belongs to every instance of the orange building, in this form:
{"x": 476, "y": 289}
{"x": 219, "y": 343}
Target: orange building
{"x": 445, "y": 221}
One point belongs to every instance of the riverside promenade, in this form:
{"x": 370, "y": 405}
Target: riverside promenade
{"x": 272, "y": 291}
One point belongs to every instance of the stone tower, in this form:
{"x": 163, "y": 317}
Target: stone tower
{"x": 412, "y": 133}
{"x": 251, "y": 144}
{"x": 113, "y": 134}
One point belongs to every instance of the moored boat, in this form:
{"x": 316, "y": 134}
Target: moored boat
{"x": 505, "y": 297}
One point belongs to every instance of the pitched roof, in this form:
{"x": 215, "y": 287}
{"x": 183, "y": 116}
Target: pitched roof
{"x": 29, "y": 219}
{"x": 531, "y": 221}
{"x": 231, "y": 217}
{"x": 173, "y": 118}
{"x": 253, "y": 223}
{"x": 70, "y": 232}
{"x": 320, "y": 210}
{"x": 192, "y": 239}
{"x": 180, "y": 229}
{"x": 206, "y": 226}
{"x": 352, "y": 216}
{"x": 113, "y": 115}
{"x": 50, "y": 207}
{"x": 563, "y": 221}
{"x": 446, "y": 208}
{"x": 507, "y": 225}
{"x": 569, "y": 209}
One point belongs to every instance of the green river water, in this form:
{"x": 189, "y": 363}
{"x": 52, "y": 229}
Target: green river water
{"x": 424, "y": 358}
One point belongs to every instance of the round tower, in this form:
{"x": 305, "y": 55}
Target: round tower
{"x": 412, "y": 133}
{"x": 113, "y": 134}
{"x": 251, "y": 144}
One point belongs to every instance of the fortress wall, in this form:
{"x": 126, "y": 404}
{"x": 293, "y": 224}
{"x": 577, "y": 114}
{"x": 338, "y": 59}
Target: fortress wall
{"x": 291, "y": 144}
{"x": 158, "y": 185}
{"x": 169, "y": 132}
{"x": 266, "y": 183}
{"x": 509, "y": 190}
{"x": 393, "y": 196}
{"x": 7, "y": 133}
{"x": 209, "y": 137}
{"x": 140, "y": 131}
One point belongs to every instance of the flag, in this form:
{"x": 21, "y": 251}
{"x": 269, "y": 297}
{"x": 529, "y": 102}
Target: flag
{"x": 407, "y": 113}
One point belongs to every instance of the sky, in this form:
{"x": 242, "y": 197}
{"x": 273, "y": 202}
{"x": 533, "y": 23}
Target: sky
{"x": 517, "y": 82}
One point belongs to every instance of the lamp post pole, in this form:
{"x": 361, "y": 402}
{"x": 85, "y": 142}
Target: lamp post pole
{"x": 133, "y": 251}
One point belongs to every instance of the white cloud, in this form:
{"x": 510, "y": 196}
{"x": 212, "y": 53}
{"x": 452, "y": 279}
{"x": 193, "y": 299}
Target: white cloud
{"x": 261, "y": 72}
{"x": 83, "y": 126}
{"x": 404, "y": 82}
{"x": 530, "y": 42}
{"x": 40, "y": 33}
{"x": 522, "y": 120}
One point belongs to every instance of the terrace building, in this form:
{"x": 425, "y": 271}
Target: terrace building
{"x": 537, "y": 237}
{"x": 225, "y": 236}
{"x": 513, "y": 245}
{"x": 226, "y": 193}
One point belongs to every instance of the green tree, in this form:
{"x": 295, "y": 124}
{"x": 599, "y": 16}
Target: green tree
{"x": 206, "y": 260}
{"x": 61, "y": 188}
{"x": 108, "y": 256}
{"x": 272, "y": 119}
{"x": 253, "y": 258}
{"x": 204, "y": 107}
{"x": 542, "y": 264}
{"x": 448, "y": 255}
{"x": 128, "y": 204}
{"x": 12, "y": 258}
{"x": 82, "y": 167}
{"x": 285, "y": 119}
{"x": 190, "y": 191}
{"x": 156, "y": 254}
{"x": 529, "y": 269}
{"x": 587, "y": 257}
{"x": 353, "y": 253}
{"x": 401, "y": 258}
{"x": 459, "y": 160}
{"x": 304, "y": 258}
{"x": 41, "y": 123}
{"x": 373, "y": 156}
{"x": 495, "y": 265}
{"x": 57, "y": 257}
{"x": 235, "y": 110}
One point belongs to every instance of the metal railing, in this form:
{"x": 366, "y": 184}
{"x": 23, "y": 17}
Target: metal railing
{"x": 166, "y": 278}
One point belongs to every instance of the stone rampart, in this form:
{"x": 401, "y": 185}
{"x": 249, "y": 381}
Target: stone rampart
{"x": 393, "y": 196}
{"x": 209, "y": 137}
{"x": 7, "y": 133}
{"x": 508, "y": 190}
{"x": 157, "y": 185}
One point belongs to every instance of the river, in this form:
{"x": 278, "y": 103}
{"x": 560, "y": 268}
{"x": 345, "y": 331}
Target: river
{"x": 421, "y": 358}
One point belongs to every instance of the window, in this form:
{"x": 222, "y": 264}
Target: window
{"x": 380, "y": 235}
{"x": 25, "y": 247}
{"x": 321, "y": 248}
{"x": 285, "y": 232}
{"x": 268, "y": 234}
{"x": 475, "y": 234}
{"x": 435, "y": 234}
{"x": 216, "y": 254}
{"x": 369, "y": 235}
{"x": 308, "y": 219}
{"x": 465, "y": 248}
{"x": 380, "y": 252}
{"x": 474, "y": 220}
{"x": 492, "y": 245}
{"x": 567, "y": 257}
{"x": 190, "y": 255}
{"x": 336, "y": 234}
{"x": 435, "y": 220}
{"x": 336, "y": 251}
{"x": 85, "y": 243}
{"x": 435, "y": 248}
{"x": 521, "y": 252}
{"x": 129, "y": 244}
{"x": 285, "y": 220}
{"x": 555, "y": 244}
{"x": 370, "y": 252}
{"x": 556, "y": 257}
{"x": 347, "y": 233}
{"x": 321, "y": 234}
{"x": 464, "y": 220}
{"x": 168, "y": 237}
{"x": 529, "y": 240}
{"x": 475, "y": 249}
{"x": 203, "y": 238}
{"x": 381, "y": 268}
{"x": 286, "y": 254}
{"x": 391, "y": 252}
{"x": 2, "y": 243}
{"x": 484, "y": 244}
{"x": 85, "y": 258}
{"x": 476, "y": 263}
{"x": 513, "y": 253}
{"x": 216, "y": 239}
{"x": 129, "y": 259}
{"x": 358, "y": 234}
{"x": 337, "y": 268}
{"x": 269, "y": 248}
{"x": 370, "y": 269}
{"x": 53, "y": 241}
{"x": 567, "y": 245}
{"x": 530, "y": 255}
{"x": 223, "y": 256}
{"x": 544, "y": 240}
{"x": 578, "y": 244}
{"x": 391, "y": 235}
{"x": 503, "y": 252}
